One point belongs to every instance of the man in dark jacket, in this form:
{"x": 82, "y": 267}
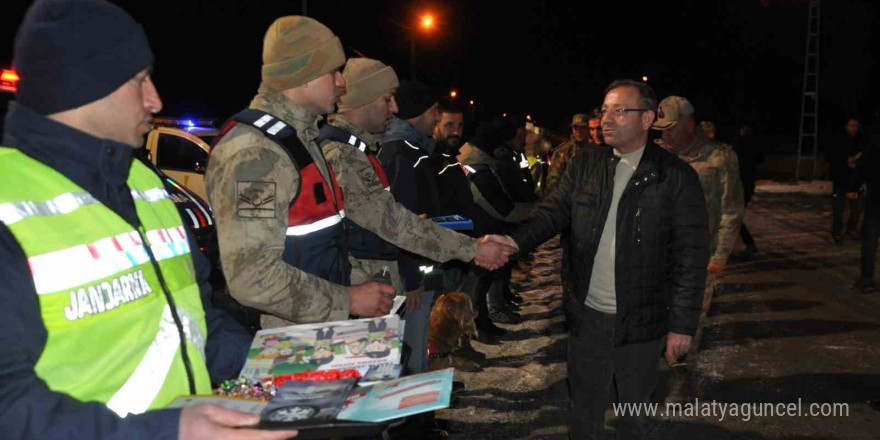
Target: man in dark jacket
{"x": 512, "y": 165}
{"x": 83, "y": 107}
{"x": 749, "y": 153}
{"x": 455, "y": 197}
{"x": 639, "y": 248}
{"x": 404, "y": 151}
{"x": 866, "y": 175}
{"x": 842, "y": 158}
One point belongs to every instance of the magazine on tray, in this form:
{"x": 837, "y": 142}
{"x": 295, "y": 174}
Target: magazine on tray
{"x": 307, "y": 401}
{"x": 329, "y": 345}
{"x": 399, "y": 398}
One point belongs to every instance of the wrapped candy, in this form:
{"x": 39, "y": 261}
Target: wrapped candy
{"x": 264, "y": 390}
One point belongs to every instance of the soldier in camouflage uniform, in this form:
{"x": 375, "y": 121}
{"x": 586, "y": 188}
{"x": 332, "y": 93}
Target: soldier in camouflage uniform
{"x": 365, "y": 112}
{"x": 585, "y": 131}
{"x": 251, "y": 182}
{"x": 718, "y": 168}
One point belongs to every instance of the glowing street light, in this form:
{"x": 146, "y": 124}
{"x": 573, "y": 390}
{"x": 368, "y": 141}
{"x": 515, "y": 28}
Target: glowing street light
{"x": 453, "y": 94}
{"x": 471, "y": 102}
{"x": 427, "y": 21}
{"x": 505, "y": 115}
{"x": 644, "y": 79}
{"x": 528, "y": 117}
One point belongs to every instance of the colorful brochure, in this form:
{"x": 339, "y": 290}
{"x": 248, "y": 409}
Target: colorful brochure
{"x": 328, "y": 345}
{"x": 399, "y": 398}
{"x": 308, "y": 400}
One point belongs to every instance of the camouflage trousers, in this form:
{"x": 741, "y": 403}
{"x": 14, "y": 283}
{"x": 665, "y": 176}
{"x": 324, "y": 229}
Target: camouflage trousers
{"x": 711, "y": 284}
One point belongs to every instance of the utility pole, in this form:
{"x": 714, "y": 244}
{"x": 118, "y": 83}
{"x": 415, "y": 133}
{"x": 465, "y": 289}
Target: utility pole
{"x": 412, "y": 55}
{"x": 809, "y": 127}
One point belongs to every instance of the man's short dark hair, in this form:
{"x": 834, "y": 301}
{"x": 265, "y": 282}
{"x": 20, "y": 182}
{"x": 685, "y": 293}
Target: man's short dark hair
{"x": 647, "y": 97}
{"x": 449, "y": 106}
{"x": 596, "y": 112}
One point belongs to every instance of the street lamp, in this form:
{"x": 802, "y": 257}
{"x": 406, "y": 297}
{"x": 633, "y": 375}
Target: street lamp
{"x": 644, "y": 79}
{"x": 453, "y": 94}
{"x": 472, "y": 102}
{"x": 426, "y": 23}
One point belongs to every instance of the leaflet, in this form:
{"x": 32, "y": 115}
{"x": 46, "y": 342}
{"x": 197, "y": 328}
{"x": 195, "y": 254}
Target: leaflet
{"x": 328, "y": 345}
{"x": 399, "y": 398}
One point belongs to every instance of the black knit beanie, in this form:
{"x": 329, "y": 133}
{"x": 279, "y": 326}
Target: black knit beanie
{"x": 485, "y": 138}
{"x": 413, "y": 98}
{"x": 72, "y": 52}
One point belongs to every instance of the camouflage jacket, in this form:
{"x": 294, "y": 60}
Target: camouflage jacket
{"x": 560, "y": 160}
{"x": 370, "y": 206}
{"x": 718, "y": 168}
{"x": 251, "y": 248}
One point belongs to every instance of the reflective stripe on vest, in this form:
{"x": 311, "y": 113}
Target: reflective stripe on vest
{"x": 110, "y": 335}
{"x": 324, "y": 223}
{"x": 86, "y": 263}
{"x": 13, "y": 212}
{"x": 144, "y": 384}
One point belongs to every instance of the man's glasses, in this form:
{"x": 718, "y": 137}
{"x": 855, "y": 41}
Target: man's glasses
{"x": 617, "y": 113}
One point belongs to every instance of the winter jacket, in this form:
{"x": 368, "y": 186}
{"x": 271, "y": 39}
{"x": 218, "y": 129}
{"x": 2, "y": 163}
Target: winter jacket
{"x": 28, "y": 408}
{"x": 662, "y": 246}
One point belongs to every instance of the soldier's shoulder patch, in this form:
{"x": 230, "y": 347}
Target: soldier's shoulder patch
{"x": 255, "y": 199}
{"x": 371, "y": 180}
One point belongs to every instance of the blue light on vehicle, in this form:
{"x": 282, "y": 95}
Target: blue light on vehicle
{"x": 189, "y": 123}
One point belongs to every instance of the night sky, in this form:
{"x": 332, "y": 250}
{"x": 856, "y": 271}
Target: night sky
{"x": 737, "y": 61}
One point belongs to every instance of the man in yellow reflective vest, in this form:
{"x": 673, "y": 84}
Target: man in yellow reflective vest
{"x": 105, "y": 317}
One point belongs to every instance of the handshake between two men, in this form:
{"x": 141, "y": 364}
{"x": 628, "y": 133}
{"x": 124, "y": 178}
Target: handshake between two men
{"x": 493, "y": 251}
{"x": 374, "y": 299}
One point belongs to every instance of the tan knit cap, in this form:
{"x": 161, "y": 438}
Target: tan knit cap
{"x": 297, "y": 50}
{"x": 365, "y": 80}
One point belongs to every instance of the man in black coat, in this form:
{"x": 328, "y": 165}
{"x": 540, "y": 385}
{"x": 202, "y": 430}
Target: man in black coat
{"x": 842, "y": 158}
{"x": 749, "y": 154}
{"x": 639, "y": 248}
{"x": 865, "y": 175}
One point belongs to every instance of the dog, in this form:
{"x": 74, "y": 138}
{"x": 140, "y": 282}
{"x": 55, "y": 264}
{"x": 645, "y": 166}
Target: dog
{"x": 451, "y": 318}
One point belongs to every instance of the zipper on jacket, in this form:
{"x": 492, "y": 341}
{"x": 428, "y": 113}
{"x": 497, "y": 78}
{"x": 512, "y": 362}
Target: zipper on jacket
{"x": 638, "y": 234}
{"x": 177, "y": 322}
{"x": 608, "y": 194}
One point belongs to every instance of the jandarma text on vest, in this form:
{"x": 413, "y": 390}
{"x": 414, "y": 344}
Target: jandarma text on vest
{"x": 105, "y": 296}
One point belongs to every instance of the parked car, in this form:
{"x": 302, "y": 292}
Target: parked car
{"x": 194, "y": 210}
{"x": 180, "y": 148}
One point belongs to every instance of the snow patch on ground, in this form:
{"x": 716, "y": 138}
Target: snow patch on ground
{"x": 816, "y": 187}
